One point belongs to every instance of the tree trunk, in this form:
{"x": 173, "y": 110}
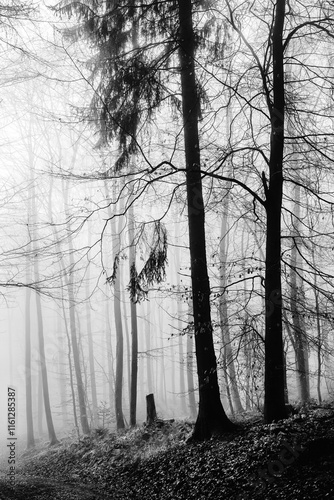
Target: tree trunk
{"x": 126, "y": 336}
{"x": 181, "y": 354}
{"x": 115, "y": 235}
{"x": 162, "y": 391}
{"x": 119, "y": 330}
{"x": 151, "y": 413}
{"x": 274, "y": 404}
{"x": 231, "y": 381}
{"x": 226, "y": 381}
{"x": 247, "y": 352}
{"x": 190, "y": 377}
{"x": 181, "y": 363}
{"x": 211, "y": 417}
{"x": 319, "y": 343}
{"x": 134, "y": 324}
{"x": 69, "y": 358}
{"x": 41, "y": 349}
{"x": 10, "y": 350}
{"x": 76, "y": 358}
{"x": 119, "y": 357}
{"x": 62, "y": 372}
{"x": 40, "y": 326}
{"x": 110, "y": 360}
{"x": 29, "y": 415}
{"x": 179, "y": 327}
{"x": 286, "y": 392}
{"x": 44, "y": 373}
{"x": 62, "y": 270}
{"x": 73, "y": 328}
{"x": 40, "y": 403}
{"x": 95, "y": 417}
{"x": 173, "y": 370}
{"x": 73, "y": 325}
{"x": 148, "y": 350}
{"x": 296, "y": 301}
{"x": 319, "y": 335}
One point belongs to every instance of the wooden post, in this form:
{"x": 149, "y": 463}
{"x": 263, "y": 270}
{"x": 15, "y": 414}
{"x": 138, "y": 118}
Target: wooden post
{"x": 151, "y": 414}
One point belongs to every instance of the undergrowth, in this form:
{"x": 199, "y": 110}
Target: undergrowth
{"x": 290, "y": 459}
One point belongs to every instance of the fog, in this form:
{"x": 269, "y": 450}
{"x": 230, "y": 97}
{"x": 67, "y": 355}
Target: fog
{"x": 84, "y": 265}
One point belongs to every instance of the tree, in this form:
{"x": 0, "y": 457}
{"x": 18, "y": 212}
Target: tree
{"x": 63, "y": 302}
{"x": 190, "y": 376}
{"x": 40, "y": 325}
{"x": 228, "y": 357}
{"x": 297, "y": 305}
{"x": 134, "y": 323}
{"x": 273, "y": 91}
{"x": 73, "y": 323}
{"x": 136, "y": 75}
{"x": 11, "y": 15}
{"x": 181, "y": 332}
{"x": 254, "y": 72}
{"x": 116, "y": 280}
{"x": 274, "y": 403}
{"x": 283, "y": 90}
{"x": 28, "y": 373}
{"x": 95, "y": 416}
{"x": 211, "y": 417}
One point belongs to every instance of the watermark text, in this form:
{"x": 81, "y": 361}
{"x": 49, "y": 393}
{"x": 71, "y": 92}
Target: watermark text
{"x": 11, "y": 434}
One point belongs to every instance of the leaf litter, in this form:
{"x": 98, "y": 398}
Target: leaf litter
{"x": 291, "y": 459}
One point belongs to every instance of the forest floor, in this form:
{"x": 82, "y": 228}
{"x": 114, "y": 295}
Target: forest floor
{"x": 291, "y": 460}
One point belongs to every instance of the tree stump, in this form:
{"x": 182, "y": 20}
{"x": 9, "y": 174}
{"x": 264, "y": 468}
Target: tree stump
{"x": 151, "y": 414}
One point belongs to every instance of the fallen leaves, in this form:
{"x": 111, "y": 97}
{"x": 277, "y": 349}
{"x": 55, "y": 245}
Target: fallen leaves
{"x": 157, "y": 463}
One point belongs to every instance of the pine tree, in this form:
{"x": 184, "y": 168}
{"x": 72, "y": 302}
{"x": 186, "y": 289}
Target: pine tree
{"x": 131, "y": 83}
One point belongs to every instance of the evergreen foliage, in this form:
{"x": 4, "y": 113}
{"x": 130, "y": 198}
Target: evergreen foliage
{"x": 134, "y": 70}
{"x": 133, "y": 49}
{"x": 154, "y": 269}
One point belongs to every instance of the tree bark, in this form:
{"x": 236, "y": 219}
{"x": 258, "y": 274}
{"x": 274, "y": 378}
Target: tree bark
{"x": 76, "y": 360}
{"x": 296, "y": 301}
{"x": 95, "y": 416}
{"x": 319, "y": 332}
{"x": 231, "y": 381}
{"x": 319, "y": 345}
{"x": 63, "y": 273}
{"x": 44, "y": 373}
{"x": 69, "y": 358}
{"x": 274, "y": 404}
{"x": 119, "y": 330}
{"x": 190, "y": 377}
{"x": 29, "y": 415}
{"x": 211, "y": 417}
{"x": 161, "y": 374}
{"x": 181, "y": 361}
{"x": 73, "y": 324}
{"x": 40, "y": 403}
{"x": 42, "y": 359}
{"x": 151, "y": 413}
{"x": 179, "y": 327}
{"x": 134, "y": 323}
{"x": 40, "y": 326}
{"x": 110, "y": 360}
{"x": 62, "y": 372}
{"x": 118, "y": 393}
{"x": 148, "y": 350}
{"x": 119, "y": 357}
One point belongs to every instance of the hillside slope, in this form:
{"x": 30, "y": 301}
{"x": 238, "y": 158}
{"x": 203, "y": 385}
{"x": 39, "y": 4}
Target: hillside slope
{"x": 289, "y": 460}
